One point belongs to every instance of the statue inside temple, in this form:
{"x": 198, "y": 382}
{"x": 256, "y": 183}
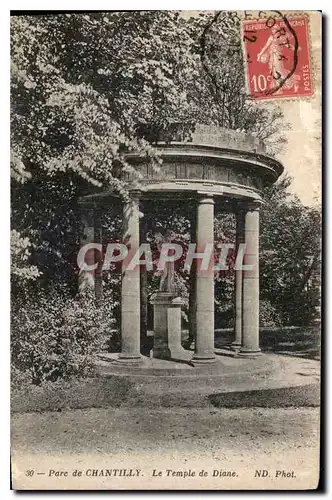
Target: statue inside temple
{"x": 167, "y": 283}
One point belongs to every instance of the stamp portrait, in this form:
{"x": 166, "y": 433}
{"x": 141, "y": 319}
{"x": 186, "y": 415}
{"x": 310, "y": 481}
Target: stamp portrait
{"x": 277, "y": 57}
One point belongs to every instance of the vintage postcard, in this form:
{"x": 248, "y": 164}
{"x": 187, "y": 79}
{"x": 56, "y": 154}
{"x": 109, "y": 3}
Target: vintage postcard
{"x": 166, "y": 250}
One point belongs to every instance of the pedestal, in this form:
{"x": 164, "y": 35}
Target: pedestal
{"x": 174, "y": 329}
{"x": 161, "y": 301}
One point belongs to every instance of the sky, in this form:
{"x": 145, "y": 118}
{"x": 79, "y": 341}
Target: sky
{"x": 301, "y": 156}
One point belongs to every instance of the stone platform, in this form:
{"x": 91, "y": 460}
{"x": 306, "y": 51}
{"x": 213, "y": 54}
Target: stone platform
{"x": 167, "y": 384}
{"x": 226, "y": 364}
{"x": 163, "y": 383}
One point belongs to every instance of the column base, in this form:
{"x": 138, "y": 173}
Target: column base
{"x": 235, "y": 346}
{"x": 249, "y": 354}
{"x": 127, "y": 359}
{"x": 203, "y": 360}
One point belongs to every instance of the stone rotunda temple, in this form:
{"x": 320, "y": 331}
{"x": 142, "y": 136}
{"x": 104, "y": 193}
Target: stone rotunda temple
{"x": 218, "y": 170}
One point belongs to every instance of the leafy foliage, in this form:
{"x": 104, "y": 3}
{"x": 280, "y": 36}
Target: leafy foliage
{"x": 55, "y": 336}
{"x": 290, "y": 255}
{"x": 86, "y": 88}
{"x": 82, "y": 84}
{"x": 20, "y": 253}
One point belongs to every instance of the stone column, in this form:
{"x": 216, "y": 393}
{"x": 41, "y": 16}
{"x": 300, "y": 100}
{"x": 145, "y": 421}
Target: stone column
{"x": 236, "y": 344}
{"x": 146, "y": 342}
{"x": 130, "y": 291}
{"x": 204, "y": 348}
{"x": 192, "y": 292}
{"x": 250, "y": 285}
{"x": 86, "y": 279}
{"x": 144, "y": 310}
{"x": 98, "y": 257}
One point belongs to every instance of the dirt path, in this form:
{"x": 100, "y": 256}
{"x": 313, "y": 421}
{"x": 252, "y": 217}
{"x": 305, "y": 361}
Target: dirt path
{"x": 124, "y": 429}
{"x": 242, "y": 440}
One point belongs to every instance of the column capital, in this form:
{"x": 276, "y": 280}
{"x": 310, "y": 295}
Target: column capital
{"x": 205, "y": 198}
{"x": 249, "y": 206}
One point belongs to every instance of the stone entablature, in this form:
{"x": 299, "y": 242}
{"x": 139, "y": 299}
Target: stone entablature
{"x": 190, "y": 166}
{"x": 225, "y": 163}
{"x": 210, "y": 135}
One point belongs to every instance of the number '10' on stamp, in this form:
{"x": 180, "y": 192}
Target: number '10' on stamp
{"x": 277, "y": 57}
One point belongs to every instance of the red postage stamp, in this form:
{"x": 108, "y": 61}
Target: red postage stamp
{"x": 277, "y": 57}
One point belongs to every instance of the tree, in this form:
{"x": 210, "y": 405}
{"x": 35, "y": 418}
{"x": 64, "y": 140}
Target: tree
{"x": 290, "y": 255}
{"x": 82, "y": 84}
{"x": 86, "y": 88}
{"x": 218, "y": 86}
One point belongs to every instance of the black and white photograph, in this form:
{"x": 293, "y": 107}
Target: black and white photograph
{"x": 165, "y": 241}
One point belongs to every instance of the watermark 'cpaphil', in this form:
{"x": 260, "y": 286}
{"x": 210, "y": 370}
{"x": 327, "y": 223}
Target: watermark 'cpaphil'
{"x": 169, "y": 252}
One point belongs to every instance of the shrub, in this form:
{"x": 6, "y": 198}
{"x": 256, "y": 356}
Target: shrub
{"x": 57, "y": 336}
{"x": 268, "y": 315}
